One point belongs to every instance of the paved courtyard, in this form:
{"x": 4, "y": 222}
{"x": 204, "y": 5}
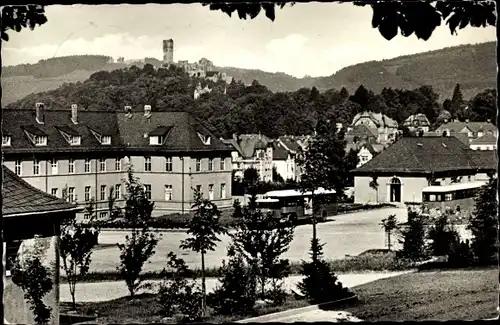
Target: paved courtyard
{"x": 348, "y": 234}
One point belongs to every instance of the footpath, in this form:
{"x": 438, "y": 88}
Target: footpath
{"x": 110, "y": 290}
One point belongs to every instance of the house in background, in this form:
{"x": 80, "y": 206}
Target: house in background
{"x": 252, "y": 151}
{"x": 417, "y": 122}
{"x": 473, "y": 130}
{"x": 409, "y": 165}
{"x": 386, "y": 128}
{"x": 28, "y": 213}
{"x": 486, "y": 142}
{"x": 285, "y": 152}
{"x": 367, "y": 151}
{"x": 360, "y": 133}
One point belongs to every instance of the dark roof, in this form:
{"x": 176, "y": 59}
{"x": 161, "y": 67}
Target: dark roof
{"x": 290, "y": 142}
{"x": 68, "y": 130}
{"x": 246, "y": 144}
{"x": 279, "y": 151}
{"x": 161, "y": 130}
{"x": 362, "y": 130}
{"x": 422, "y": 155}
{"x": 33, "y": 130}
{"x": 486, "y": 159}
{"x": 19, "y": 197}
{"x": 473, "y": 126}
{"x": 127, "y": 134}
{"x": 488, "y": 138}
{"x": 463, "y": 137}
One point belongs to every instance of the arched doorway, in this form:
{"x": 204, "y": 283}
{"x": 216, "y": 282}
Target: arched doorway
{"x": 395, "y": 190}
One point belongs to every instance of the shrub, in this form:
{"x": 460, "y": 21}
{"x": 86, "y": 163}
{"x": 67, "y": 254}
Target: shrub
{"x": 238, "y": 290}
{"x": 461, "y": 255}
{"x": 177, "y": 294}
{"x": 413, "y": 237}
{"x": 372, "y": 262}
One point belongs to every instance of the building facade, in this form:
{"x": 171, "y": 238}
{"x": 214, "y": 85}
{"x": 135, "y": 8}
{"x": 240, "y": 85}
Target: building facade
{"x": 384, "y": 127}
{"x": 404, "y": 169}
{"x": 85, "y": 155}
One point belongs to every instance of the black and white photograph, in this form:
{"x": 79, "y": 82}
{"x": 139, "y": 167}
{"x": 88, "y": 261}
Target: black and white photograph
{"x": 249, "y": 162}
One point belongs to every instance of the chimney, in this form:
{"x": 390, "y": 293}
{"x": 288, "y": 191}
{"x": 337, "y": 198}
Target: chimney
{"x": 39, "y": 107}
{"x": 147, "y": 110}
{"x": 74, "y": 113}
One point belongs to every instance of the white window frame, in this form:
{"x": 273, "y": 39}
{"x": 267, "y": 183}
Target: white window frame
{"x": 6, "y": 141}
{"x": 156, "y": 140}
{"x": 148, "y": 191}
{"x": 71, "y": 194}
{"x": 118, "y": 164}
{"x": 54, "y": 191}
{"x": 223, "y": 190}
{"x": 88, "y": 165}
{"x": 118, "y": 191}
{"x": 54, "y": 166}
{"x": 40, "y": 140}
{"x": 198, "y": 165}
{"x": 18, "y": 167}
{"x": 106, "y": 140}
{"x": 168, "y": 192}
{"x": 71, "y": 166}
{"x": 211, "y": 192}
{"x": 103, "y": 215}
{"x": 169, "y": 165}
{"x": 222, "y": 164}
{"x": 147, "y": 163}
{"x": 102, "y": 165}
{"x": 36, "y": 167}
{"x": 87, "y": 191}
{"x": 102, "y": 193}
{"x": 210, "y": 164}
{"x": 75, "y": 140}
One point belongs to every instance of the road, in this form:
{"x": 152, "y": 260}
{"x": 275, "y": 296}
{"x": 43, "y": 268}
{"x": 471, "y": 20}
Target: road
{"x": 344, "y": 234}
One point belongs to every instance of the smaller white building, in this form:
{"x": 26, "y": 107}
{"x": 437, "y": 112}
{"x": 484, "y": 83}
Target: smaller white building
{"x": 485, "y": 142}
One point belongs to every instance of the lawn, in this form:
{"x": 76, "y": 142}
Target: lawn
{"x": 144, "y": 309}
{"x": 432, "y": 295}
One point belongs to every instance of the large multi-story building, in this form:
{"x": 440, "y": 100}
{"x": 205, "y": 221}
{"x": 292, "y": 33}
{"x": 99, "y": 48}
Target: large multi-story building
{"x": 383, "y": 127}
{"x": 85, "y": 154}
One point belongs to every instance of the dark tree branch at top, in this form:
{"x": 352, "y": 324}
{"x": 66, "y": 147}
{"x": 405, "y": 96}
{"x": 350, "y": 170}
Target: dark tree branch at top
{"x": 410, "y": 17}
{"x": 18, "y": 17}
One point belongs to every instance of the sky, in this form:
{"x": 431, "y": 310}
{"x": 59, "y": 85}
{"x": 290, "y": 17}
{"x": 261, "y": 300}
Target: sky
{"x": 315, "y": 39}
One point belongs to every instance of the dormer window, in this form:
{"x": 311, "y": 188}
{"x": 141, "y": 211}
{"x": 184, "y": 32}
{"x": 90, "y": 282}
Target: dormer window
{"x": 6, "y": 141}
{"x": 103, "y": 139}
{"x": 75, "y": 140}
{"x": 156, "y": 140}
{"x": 206, "y": 139}
{"x": 106, "y": 139}
{"x": 40, "y": 140}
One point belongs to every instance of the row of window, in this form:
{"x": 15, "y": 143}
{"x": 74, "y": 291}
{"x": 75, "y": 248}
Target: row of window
{"x": 102, "y": 165}
{"x": 115, "y": 192}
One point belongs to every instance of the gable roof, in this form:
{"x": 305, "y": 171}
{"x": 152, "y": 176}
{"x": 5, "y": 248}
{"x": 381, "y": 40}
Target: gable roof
{"x": 362, "y": 130}
{"x": 486, "y": 160}
{"x": 290, "y": 142}
{"x": 485, "y": 139}
{"x": 246, "y": 144}
{"x": 127, "y": 131}
{"x": 280, "y": 152}
{"x": 421, "y": 155}
{"x": 379, "y": 119}
{"x": 420, "y": 118}
{"x": 463, "y": 137}
{"x": 473, "y": 126}
{"x": 19, "y": 198}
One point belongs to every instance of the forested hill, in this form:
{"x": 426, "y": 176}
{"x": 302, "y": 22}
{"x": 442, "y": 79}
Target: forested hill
{"x": 240, "y": 108}
{"x": 473, "y": 66}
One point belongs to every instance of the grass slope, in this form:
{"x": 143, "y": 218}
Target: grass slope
{"x": 473, "y": 66}
{"x": 436, "y": 295}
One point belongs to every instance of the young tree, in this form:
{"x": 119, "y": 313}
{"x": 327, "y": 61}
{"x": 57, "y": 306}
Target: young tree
{"x": 204, "y": 229}
{"x": 413, "y": 237}
{"x": 374, "y": 185}
{"x": 320, "y": 284}
{"x": 262, "y": 239}
{"x": 484, "y": 224}
{"x": 76, "y": 243}
{"x": 139, "y": 245}
{"x": 389, "y": 225}
{"x": 442, "y": 236}
{"x": 323, "y": 163}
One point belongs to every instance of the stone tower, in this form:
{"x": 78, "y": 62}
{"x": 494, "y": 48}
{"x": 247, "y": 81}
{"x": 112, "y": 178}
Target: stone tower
{"x": 168, "y": 51}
